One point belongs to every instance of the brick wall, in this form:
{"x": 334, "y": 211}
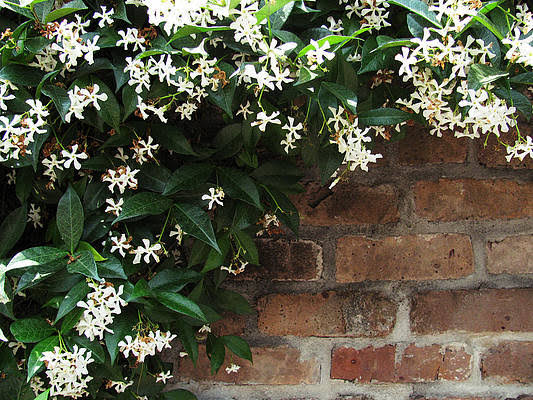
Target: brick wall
{"x": 412, "y": 281}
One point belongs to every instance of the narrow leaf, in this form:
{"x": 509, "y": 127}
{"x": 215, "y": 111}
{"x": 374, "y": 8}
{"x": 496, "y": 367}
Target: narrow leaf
{"x": 70, "y": 218}
{"x": 12, "y": 229}
{"x": 181, "y": 304}
{"x": 34, "y": 362}
{"x": 238, "y": 185}
{"x": 84, "y": 264}
{"x": 195, "y": 222}
{"x": 143, "y": 204}
{"x": 238, "y": 346}
{"x": 30, "y": 330}
{"x": 77, "y": 293}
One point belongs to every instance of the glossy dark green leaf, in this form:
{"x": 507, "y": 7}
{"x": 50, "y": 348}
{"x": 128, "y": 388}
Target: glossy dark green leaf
{"x": 420, "y": 8}
{"x": 94, "y": 347}
{"x": 216, "y": 259}
{"x": 329, "y": 160}
{"x": 525, "y": 78}
{"x": 228, "y": 141}
{"x": 71, "y": 319}
{"x": 195, "y": 222}
{"x": 60, "y": 98}
{"x": 24, "y": 184}
{"x": 34, "y": 362}
{"x": 31, "y": 330}
{"x": 172, "y": 138}
{"x": 345, "y": 95}
{"x": 84, "y": 265}
{"x": 68, "y": 8}
{"x": 216, "y": 352}
{"x": 238, "y": 346}
{"x": 109, "y": 109}
{"x": 173, "y": 280}
{"x": 70, "y": 218}
{"x": 279, "y": 173}
{"x": 384, "y": 116}
{"x": 248, "y": 245}
{"x": 515, "y": 99}
{"x": 287, "y": 211}
{"x": 43, "y": 395}
{"x": 233, "y": 301}
{"x": 21, "y": 74}
{"x": 481, "y": 74}
{"x": 111, "y": 268}
{"x": 188, "y": 177}
{"x": 142, "y": 204}
{"x": 238, "y": 185}
{"x": 181, "y": 304}
{"x": 141, "y": 289}
{"x": 223, "y": 97}
{"x": 270, "y": 8}
{"x": 153, "y": 177}
{"x": 187, "y": 336}
{"x": 87, "y": 246}
{"x": 77, "y": 293}
{"x": 123, "y": 325}
{"x": 12, "y": 229}
{"x": 35, "y": 256}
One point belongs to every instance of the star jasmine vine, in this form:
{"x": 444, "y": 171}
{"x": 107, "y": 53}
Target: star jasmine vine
{"x": 146, "y": 143}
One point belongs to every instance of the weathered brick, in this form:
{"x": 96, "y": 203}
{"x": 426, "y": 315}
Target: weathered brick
{"x": 419, "y": 147}
{"x": 493, "y": 155}
{"x": 416, "y": 364}
{"x": 508, "y": 362}
{"x": 326, "y": 314}
{"x": 513, "y": 255}
{"x": 286, "y": 260}
{"x": 230, "y": 324}
{"x": 358, "y": 397}
{"x": 271, "y": 366}
{"x": 451, "y": 200}
{"x": 409, "y": 257}
{"x": 486, "y": 310}
{"x": 348, "y": 204}
{"x": 451, "y": 398}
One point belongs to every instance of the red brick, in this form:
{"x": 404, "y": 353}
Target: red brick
{"x": 419, "y": 147}
{"x": 326, "y": 314}
{"x": 451, "y": 200}
{"x": 286, "y": 260}
{"x": 513, "y": 255}
{"x": 230, "y": 324}
{"x": 271, "y": 366}
{"x": 508, "y": 362}
{"x": 409, "y": 257}
{"x": 486, "y": 310}
{"x": 493, "y": 155}
{"x": 416, "y": 364}
{"x": 347, "y": 204}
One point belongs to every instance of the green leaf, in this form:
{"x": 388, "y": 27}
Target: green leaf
{"x": 153, "y": 177}
{"x": 120, "y": 11}
{"x": 93, "y": 346}
{"x": 238, "y": 346}
{"x": 30, "y": 330}
{"x": 21, "y": 75}
{"x": 522, "y": 79}
{"x": 331, "y": 39}
{"x": 228, "y": 141}
{"x": 181, "y": 304}
{"x": 12, "y": 229}
{"x": 329, "y": 160}
{"x": 216, "y": 259}
{"x": 223, "y": 97}
{"x": 141, "y": 289}
{"x": 216, "y": 352}
{"x": 288, "y": 213}
{"x": 172, "y": 138}
{"x": 70, "y": 218}
{"x": 68, "y": 8}
{"x": 420, "y": 8}
{"x": 109, "y": 109}
{"x": 60, "y": 98}
{"x": 87, "y": 246}
{"x": 188, "y": 177}
{"x": 24, "y": 184}
{"x": 84, "y": 265}
{"x": 515, "y": 99}
{"x": 233, "y": 301}
{"x": 179, "y": 394}
{"x": 142, "y": 204}
{"x": 384, "y": 116}
{"x": 123, "y": 325}
{"x": 187, "y": 335}
{"x": 173, "y": 280}
{"x": 248, "y": 245}
{"x": 34, "y": 257}
{"x": 385, "y": 42}
{"x": 270, "y": 8}
{"x": 238, "y": 185}
{"x": 481, "y": 74}
{"x": 34, "y": 362}
{"x": 373, "y": 61}
{"x": 43, "y": 395}
{"x": 189, "y": 30}
{"x": 416, "y": 25}
{"x": 287, "y": 37}
{"x": 279, "y": 173}
{"x": 195, "y": 222}
{"x": 129, "y": 98}
{"x": 111, "y": 268}
{"x": 77, "y": 293}
{"x": 345, "y": 95}
{"x": 487, "y": 23}
{"x": 71, "y": 319}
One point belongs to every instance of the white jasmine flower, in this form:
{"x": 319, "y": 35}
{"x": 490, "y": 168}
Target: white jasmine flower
{"x": 163, "y": 376}
{"x": 148, "y": 250}
{"x": 121, "y": 244}
{"x": 120, "y": 387}
{"x": 114, "y": 207}
{"x": 244, "y": 110}
{"x": 104, "y": 16}
{"x": 214, "y": 196}
{"x": 34, "y": 216}
{"x": 73, "y": 156}
{"x": 233, "y": 368}
{"x": 262, "y": 119}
